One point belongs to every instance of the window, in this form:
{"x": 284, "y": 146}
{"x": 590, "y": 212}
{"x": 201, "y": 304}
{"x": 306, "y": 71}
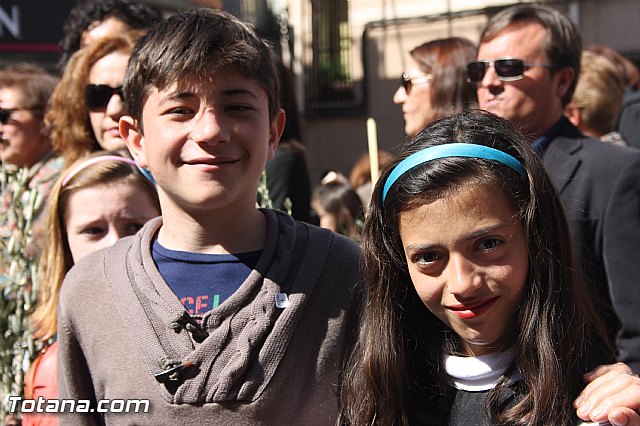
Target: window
{"x": 329, "y": 85}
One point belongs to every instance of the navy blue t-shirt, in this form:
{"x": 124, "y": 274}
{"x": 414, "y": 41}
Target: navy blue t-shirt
{"x": 203, "y": 281}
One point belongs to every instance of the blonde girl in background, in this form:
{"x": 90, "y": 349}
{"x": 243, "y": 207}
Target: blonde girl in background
{"x": 98, "y": 200}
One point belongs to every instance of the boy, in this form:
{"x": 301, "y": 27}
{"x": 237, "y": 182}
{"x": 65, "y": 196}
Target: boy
{"x": 136, "y": 320}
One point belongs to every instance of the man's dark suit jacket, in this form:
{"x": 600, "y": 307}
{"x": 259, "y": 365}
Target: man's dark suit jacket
{"x": 599, "y": 184}
{"x": 629, "y": 123}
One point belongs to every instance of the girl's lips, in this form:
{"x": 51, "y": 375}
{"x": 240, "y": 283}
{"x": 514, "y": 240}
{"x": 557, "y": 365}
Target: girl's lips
{"x": 472, "y": 310}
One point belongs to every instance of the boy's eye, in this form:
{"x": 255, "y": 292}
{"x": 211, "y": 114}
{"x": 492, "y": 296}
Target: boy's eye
{"x": 239, "y": 107}
{"x": 180, "y": 111}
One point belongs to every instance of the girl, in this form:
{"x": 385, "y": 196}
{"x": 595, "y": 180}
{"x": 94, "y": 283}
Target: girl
{"x": 473, "y": 310}
{"x": 97, "y": 201}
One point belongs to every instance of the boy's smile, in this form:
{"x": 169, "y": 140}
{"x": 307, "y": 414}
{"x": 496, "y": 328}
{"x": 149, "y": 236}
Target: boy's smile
{"x": 206, "y": 142}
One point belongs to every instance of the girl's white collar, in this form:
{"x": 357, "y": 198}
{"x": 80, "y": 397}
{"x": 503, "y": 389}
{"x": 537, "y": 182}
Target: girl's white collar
{"x": 481, "y": 373}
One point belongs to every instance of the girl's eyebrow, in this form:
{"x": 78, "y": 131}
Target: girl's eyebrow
{"x": 470, "y": 236}
{"x": 487, "y": 230}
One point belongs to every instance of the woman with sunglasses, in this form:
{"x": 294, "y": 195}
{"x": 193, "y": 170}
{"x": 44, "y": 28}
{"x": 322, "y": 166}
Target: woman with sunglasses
{"x": 24, "y": 94}
{"x": 87, "y": 104}
{"x": 434, "y": 82}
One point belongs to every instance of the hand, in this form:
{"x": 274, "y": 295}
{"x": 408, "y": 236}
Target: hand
{"x": 612, "y": 393}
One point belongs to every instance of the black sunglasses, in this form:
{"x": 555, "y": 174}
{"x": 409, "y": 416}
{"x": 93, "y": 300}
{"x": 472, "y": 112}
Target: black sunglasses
{"x": 5, "y": 114}
{"x": 509, "y": 69}
{"x": 407, "y": 82}
{"x": 99, "y": 95}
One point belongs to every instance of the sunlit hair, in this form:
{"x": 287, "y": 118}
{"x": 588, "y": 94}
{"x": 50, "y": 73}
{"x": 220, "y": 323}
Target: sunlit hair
{"x": 71, "y": 132}
{"x": 598, "y": 95}
{"x": 562, "y": 46}
{"x": 395, "y": 373}
{"x": 194, "y": 46}
{"x": 56, "y": 258}
{"x": 446, "y": 60}
{"x": 628, "y": 70}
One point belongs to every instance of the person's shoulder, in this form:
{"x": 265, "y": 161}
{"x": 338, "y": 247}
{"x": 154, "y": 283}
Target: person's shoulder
{"x": 602, "y": 152}
{"x": 337, "y": 241}
{"x": 89, "y": 273}
{"x": 87, "y": 267}
{"x": 84, "y": 284}
{"x": 285, "y": 157}
{"x": 343, "y": 254}
{"x": 316, "y": 236}
{"x": 595, "y": 151}
{"x": 631, "y": 99}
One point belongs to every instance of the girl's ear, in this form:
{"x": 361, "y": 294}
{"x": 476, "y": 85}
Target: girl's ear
{"x": 131, "y": 133}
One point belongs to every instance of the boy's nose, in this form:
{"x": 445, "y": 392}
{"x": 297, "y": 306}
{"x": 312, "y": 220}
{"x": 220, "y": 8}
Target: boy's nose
{"x": 209, "y": 128}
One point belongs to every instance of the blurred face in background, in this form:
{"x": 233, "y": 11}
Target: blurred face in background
{"x": 99, "y": 29}
{"x": 414, "y": 96}
{"x": 22, "y": 129}
{"x": 108, "y": 72}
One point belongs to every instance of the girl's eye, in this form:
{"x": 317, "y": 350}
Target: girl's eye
{"x": 132, "y": 228}
{"x": 92, "y": 230}
{"x": 489, "y": 243}
{"x": 425, "y": 258}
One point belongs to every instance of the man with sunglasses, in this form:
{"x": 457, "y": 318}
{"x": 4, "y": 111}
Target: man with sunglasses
{"x": 527, "y": 68}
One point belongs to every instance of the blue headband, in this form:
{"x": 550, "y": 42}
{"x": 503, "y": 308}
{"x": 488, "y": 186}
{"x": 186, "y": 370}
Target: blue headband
{"x": 450, "y": 150}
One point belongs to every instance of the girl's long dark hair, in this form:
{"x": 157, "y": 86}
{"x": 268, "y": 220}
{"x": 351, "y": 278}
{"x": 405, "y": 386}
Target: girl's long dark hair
{"x": 395, "y": 372}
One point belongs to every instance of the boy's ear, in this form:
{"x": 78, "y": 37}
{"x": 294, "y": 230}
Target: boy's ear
{"x": 134, "y": 138}
{"x": 277, "y": 127}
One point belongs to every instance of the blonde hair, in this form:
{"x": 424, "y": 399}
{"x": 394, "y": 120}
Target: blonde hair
{"x": 599, "y": 94}
{"x": 68, "y": 116}
{"x": 56, "y": 258}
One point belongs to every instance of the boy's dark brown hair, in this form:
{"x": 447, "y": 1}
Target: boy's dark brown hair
{"x": 198, "y": 43}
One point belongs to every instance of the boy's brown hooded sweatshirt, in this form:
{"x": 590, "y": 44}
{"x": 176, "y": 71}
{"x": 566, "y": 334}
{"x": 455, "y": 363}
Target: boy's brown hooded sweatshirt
{"x": 262, "y": 363}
